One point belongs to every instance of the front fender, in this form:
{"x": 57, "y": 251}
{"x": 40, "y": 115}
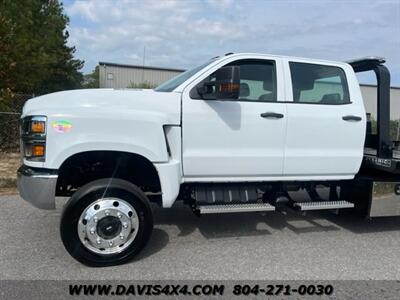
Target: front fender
{"x": 143, "y": 135}
{"x": 170, "y": 178}
{"x": 105, "y": 146}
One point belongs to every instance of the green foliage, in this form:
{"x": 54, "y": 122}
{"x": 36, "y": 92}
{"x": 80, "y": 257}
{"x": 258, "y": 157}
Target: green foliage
{"x": 143, "y": 85}
{"x": 10, "y": 109}
{"x": 6, "y": 97}
{"x": 92, "y": 81}
{"x": 394, "y": 128}
{"x": 34, "y": 55}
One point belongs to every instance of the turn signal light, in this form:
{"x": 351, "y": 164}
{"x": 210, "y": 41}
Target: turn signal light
{"x": 37, "y": 150}
{"x": 34, "y": 152}
{"x": 37, "y": 127}
{"x": 229, "y": 87}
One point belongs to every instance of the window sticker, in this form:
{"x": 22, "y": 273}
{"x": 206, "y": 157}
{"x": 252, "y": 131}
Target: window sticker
{"x": 61, "y": 126}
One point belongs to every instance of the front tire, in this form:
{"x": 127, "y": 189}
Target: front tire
{"x": 106, "y": 222}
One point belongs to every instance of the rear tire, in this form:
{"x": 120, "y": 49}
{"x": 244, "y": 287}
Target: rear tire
{"x": 106, "y": 222}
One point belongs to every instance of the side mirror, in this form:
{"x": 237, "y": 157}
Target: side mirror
{"x": 227, "y": 83}
{"x": 207, "y": 90}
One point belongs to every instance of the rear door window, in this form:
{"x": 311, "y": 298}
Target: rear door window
{"x": 319, "y": 84}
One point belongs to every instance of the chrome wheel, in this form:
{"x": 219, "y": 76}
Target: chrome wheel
{"x": 108, "y": 226}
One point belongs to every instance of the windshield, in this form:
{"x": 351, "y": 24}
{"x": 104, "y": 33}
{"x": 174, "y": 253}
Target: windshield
{"x": 173, "y": 83}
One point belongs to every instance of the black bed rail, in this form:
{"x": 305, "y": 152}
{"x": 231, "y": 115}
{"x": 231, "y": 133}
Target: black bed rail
{"x": 382, "y": 141}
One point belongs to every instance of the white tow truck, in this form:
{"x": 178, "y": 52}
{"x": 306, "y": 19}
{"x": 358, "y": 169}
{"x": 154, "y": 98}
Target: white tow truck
{"x": 239, "y": 133}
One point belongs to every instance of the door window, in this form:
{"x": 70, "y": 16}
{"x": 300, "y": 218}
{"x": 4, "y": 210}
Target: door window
{"x": 319, "y": 84}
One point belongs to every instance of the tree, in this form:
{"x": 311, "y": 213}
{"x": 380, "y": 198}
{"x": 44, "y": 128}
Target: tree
{"x": 34, "y": 55}
{"x": 141, "y": 85}
{"x": 92, "y": 80}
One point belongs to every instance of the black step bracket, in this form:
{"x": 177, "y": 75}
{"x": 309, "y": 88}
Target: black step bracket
{"x": 225, "y": 193}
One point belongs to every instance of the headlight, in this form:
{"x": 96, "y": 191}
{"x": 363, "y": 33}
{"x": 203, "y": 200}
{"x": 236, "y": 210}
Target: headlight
{"x": 33, "y": 138}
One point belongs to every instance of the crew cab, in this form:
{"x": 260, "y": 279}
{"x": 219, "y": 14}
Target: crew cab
{"x": 239, "y": 133}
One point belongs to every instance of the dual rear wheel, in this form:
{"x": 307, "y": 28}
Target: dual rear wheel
{"x": 106, "y": 222}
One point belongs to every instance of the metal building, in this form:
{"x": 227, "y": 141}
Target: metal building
{"x": 369, "y": 93}
{"x": 114, "y": 75}
{"x": 122, "y": 76}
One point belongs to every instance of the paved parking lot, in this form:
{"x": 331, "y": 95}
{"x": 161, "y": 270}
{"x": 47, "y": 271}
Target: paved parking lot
{"x": 233, "y": 246}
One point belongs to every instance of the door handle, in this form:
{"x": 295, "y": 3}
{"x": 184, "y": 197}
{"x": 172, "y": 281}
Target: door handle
{"x": 352, "y": 118}
{"x": 271, "y": 115}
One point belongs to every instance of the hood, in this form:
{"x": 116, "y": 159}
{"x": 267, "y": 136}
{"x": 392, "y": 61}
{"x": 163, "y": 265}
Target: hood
{"x": 95, "y": 101}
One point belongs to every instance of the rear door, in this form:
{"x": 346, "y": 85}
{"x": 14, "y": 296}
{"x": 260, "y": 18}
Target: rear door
{"x": 326, "y": 121}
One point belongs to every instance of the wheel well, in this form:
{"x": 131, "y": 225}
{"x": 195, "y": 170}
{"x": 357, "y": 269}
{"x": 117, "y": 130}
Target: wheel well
{"x": 85, "y": 167}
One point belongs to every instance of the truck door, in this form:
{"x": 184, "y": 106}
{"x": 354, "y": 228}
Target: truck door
{"x": 236, "y": 139}
{"x": 326, "y": 121}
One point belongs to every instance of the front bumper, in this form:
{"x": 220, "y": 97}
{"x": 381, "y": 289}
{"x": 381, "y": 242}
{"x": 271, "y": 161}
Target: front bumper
{"x": 38, "y": 186}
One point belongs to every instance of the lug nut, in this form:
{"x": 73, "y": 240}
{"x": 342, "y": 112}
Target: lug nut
{"x": 92, "y": 231}
{"x": 121, "y": 236}
{"x": 98, "y": 241}
{"x": 110, "y": 243}
{"x": 95, "y": 219}
{"x": 107, "y": 212}
{"x": 125, "y": 225}
{"x": 119, "y": 215}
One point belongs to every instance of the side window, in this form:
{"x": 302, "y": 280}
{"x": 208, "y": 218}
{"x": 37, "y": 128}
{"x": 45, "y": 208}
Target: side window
{"x": 257, "y": 80}
{"x": 318, "y": 84}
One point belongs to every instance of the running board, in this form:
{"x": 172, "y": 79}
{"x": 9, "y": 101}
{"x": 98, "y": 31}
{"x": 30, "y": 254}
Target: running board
{"x": 322, "y": 205}
{"x": 233, "y": 208}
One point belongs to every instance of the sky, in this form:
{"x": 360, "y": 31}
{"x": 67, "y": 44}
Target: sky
{"x": 185, "y": 33}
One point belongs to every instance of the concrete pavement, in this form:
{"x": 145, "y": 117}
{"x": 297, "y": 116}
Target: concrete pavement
{"x": 248, "y": 246}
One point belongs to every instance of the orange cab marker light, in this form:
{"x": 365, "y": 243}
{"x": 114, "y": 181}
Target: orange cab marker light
{"x": 229, "y": 87}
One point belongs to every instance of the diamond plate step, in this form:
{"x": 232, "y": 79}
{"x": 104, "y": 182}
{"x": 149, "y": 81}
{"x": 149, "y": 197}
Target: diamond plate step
{"x": 232, "y": 208}
{"x": 323, "y": 205}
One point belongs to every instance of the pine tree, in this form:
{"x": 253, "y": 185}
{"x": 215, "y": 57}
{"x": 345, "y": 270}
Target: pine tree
{"x": 34, "y": 55}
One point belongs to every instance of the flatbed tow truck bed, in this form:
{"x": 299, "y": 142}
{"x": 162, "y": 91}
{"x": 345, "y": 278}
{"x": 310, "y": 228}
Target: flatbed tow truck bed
{"x": 375, "y": 191}
{"x": 372, "y": 162}
{"x": 381, "y": 153}
{"x": 373, "y": 152}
